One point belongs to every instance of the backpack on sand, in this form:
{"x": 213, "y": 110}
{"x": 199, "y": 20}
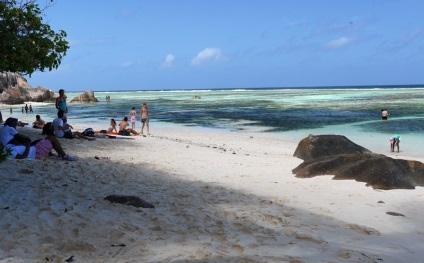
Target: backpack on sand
{"x": 88, "y": 132}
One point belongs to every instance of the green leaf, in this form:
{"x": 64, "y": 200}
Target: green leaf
{"x": 26, "y": 43}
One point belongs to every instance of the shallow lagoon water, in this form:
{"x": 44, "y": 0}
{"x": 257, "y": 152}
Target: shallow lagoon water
{"x": 290, "y": 113}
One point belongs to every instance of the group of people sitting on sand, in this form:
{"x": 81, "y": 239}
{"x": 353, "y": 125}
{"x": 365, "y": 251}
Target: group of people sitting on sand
{"x": 63, "y": 130}
{"x": 121, "y": 129}
{"x": 59, "y": 127}
{"x": 19, "y": 146}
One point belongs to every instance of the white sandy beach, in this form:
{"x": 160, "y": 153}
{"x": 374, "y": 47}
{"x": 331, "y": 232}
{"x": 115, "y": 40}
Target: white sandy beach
{"x": 219, "y": 197}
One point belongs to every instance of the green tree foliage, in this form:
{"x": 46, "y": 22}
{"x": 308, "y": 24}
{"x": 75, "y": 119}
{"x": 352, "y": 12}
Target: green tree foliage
{"x": 3, "y": 155}
{"x": 26, "y": 43}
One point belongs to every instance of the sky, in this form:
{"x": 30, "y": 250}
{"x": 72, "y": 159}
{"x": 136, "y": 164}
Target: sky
{"x": 224, "y": 44}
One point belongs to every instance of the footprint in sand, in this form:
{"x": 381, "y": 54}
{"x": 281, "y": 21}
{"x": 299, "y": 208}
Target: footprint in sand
{"x": 358, "y": 256}
{"x": 238, "y": 248}
{"x": 304, "y": 236}
{"x": 274, "y": 220}
{"x": 363, "y": 230}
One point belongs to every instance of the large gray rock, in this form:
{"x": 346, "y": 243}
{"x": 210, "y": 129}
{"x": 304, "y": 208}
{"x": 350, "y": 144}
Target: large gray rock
{"x": 8, "y": 79}
{"x": 356, "y": 162}
{"x": 87, "y": 96}
{"x": 14, "y": 89}
{"x": 40, "y": 94}
{"x": 313, "y": 147}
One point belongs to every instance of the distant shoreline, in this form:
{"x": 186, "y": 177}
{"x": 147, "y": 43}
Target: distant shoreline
{"x": 8, "y": 106}
{"x": 360, "y": 87}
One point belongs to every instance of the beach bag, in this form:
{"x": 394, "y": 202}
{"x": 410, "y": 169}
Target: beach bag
{"x": 68, "y": 134}
{"x": 88, "y": 132}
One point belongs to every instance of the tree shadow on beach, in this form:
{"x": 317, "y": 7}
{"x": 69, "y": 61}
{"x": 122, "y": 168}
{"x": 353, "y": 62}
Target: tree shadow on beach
{"x": 193, "y": 221}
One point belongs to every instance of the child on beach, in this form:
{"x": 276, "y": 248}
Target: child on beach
{"x": 394, "y": 141}
{"x": 133, "y": 114}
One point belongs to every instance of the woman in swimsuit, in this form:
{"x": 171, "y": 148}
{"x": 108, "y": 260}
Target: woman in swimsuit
{"x": 112, "y": 127}
{"x": 61, "y": 101}
{"x": 111, "y": 130}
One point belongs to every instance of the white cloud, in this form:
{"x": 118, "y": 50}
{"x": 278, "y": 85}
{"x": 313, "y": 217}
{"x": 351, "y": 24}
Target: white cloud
{"x": 169, "y": 61}
{"x": 128, "y": 64}
{"x": 208, "y": 54}
{"x": 338, "y": 43}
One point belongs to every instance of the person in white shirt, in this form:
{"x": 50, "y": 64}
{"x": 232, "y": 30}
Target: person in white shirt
{"x": 20, "y": 146}
{"x": 9, "y": 133}
{"x": 63, "y": 129}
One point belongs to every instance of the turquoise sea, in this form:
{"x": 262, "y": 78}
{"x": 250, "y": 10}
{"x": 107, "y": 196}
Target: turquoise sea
{"x": 289, "y": 112}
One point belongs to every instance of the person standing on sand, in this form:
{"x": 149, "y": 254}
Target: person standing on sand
{"x": 133, "y": 114}
{"x": 61, "y": 101}
{"x": 384, "y": 114}
{"x": 144, "y": 115}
